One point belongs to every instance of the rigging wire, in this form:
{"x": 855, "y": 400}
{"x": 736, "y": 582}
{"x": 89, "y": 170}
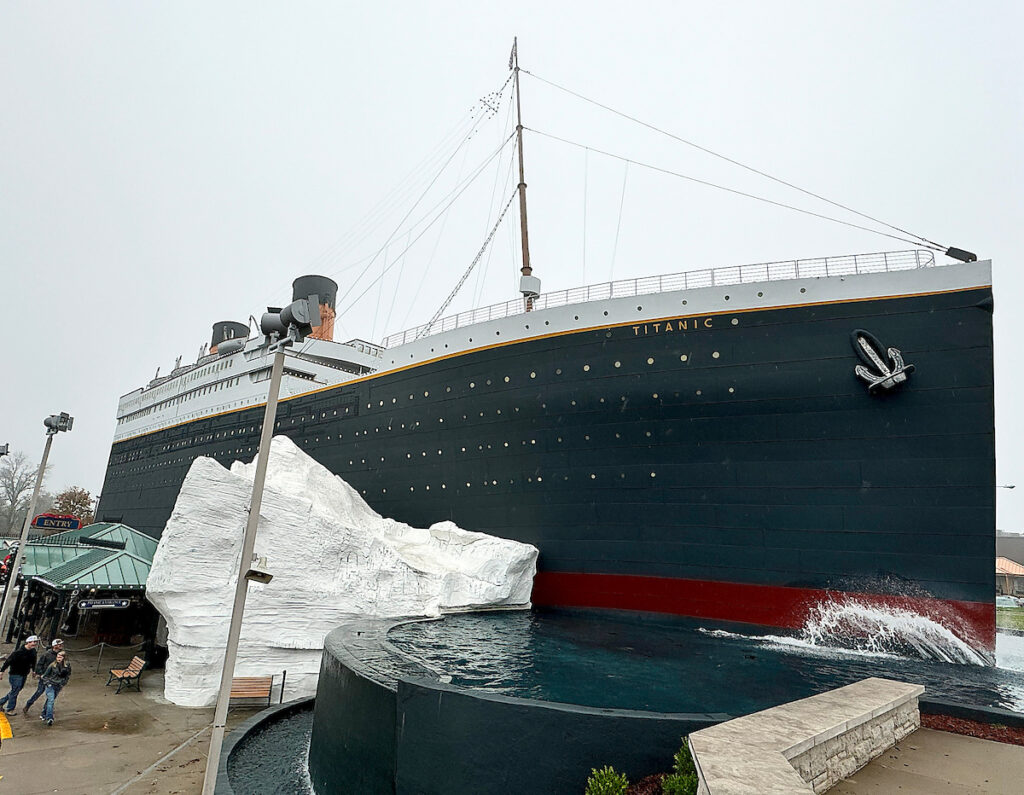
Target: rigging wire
{"x": 492, "y": 204}
{"x": 618, "y": 225}
{"x": 458, "y": 192}
{"x": 937, "y": 246}
{"x": 586, "y": 173}
{"x": 927, "y": 244}
{"x": 463, "y": 129}
{"x": 482, "y": 275}
{"x": 469, "y": 270}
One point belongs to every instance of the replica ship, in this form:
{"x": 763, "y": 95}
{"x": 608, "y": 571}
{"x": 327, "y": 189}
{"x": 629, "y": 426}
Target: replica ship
{"x": 736, "y": 444}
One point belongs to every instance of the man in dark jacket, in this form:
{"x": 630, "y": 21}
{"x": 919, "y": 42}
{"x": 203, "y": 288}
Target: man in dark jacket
{"x": 20, "y": 661}
{"x": 41, "y": 666}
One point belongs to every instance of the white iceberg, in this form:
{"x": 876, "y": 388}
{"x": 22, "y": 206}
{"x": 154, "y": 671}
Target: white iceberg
{"x": 332, "y": 557}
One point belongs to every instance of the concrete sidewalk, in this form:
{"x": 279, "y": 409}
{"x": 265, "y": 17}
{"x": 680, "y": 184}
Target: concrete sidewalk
{"x": 930, "y": 762}
{"x": 105, "y": 742}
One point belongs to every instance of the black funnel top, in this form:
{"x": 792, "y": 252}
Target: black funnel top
{"x": 228, "y": 330}
{"x": 326, "y": 289}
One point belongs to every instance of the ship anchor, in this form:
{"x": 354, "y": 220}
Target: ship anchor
{"x": 878, "y": 374}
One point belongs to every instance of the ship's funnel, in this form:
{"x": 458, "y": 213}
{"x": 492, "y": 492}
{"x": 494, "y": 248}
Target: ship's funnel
{"x": 327, "y": 290}
{"x": 227, "y": 330}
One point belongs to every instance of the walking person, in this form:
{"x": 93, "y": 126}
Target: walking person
{"x": 54, "y": 678}
{"x": 21, "y": 662}
{"x": 44, "y": 662}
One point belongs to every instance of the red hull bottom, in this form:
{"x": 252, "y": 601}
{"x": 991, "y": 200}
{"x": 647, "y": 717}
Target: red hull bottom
{"x": 763, "y": 605}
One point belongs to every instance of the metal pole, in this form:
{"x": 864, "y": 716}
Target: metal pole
{"x": 526, "y": 270}
{"x": 248, "y": 544}
{"x": 13, "y": 573}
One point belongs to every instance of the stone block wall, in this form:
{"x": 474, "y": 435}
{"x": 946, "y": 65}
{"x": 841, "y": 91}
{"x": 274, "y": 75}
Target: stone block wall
{"x": 825, "y": 765}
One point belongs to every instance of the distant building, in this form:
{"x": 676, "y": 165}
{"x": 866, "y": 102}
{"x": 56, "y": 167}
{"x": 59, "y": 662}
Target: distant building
{"x": 1009, "y": 577}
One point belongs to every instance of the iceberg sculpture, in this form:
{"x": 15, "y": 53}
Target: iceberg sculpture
{"x": 332, "y": 557}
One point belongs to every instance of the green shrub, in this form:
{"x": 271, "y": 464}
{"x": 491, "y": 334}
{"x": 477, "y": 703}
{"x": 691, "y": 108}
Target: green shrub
{"x": 683, "y": 779}
{"x": 682, "y": 762}
{"x": 607, "y": 781}
{"x": 679, "y": 784}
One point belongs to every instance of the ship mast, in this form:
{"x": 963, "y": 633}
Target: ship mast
{"x": 529, "y": 285}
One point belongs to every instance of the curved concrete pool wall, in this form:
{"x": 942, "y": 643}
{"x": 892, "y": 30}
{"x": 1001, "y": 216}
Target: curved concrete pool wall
{"x": 383, "y": 724}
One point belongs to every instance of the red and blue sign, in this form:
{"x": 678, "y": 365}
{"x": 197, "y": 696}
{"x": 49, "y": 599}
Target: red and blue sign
{"x": 51, "y": 521}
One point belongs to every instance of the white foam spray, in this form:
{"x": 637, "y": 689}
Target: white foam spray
{"x": 848, "y": 626}
{"x": 849, "y": 623}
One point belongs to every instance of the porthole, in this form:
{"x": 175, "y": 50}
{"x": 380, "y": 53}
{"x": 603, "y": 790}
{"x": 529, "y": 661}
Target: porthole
{"x": 600, "y": 400}
{"x": 727, "y": 298}
{"x": 533, "y": 375}
{"x": 506, "y": 379}
{"x": 447, "y": 389}
{"x": 527, "y": 326}
{"x": 467, "y": 484}
{"x": 488, "y": 382}
{"x": 497, "y": 333}
{"x": 639, "y": 309}
{"x": 547, "y": 322}
{"x": 803, "y": 289}
{"x": 427, "y": 488}
{"x": 655, "y": 395}
{"x": 412, "y": 488}
{"x": 731, "y": 390}
{"x": 618, "y": 364}
{"x": 683, "y": 358}
{"x": 760, "y": 295}
{"x": 559, "y": 439}
{"x": 618, "y": 435}
{"x": 735, "y": 321}
{"x": 394, "y": 400}
{"x": 470, "y": 339}
{"x": 699, "y": 392}
{"x": 586, "y": 368}
{"x": 650, "y": 360}
{"x": 572, "y": 402}
{"x": 444, "y": 486}
{"x": 472, "y": 385}
{"x": 575, "y": 317}
{"x": 654, "y": 475}
{"x": 715, "y": 355}
{"x": 647, "y": 434}
{"x": 426, "y": 394}
{"x": 586, "y": 437}
{"x": 410, "y": 397}
{"x": 683, "y": 302}
{"x": 606, "y": 313}
{"x": 558, "y": 371}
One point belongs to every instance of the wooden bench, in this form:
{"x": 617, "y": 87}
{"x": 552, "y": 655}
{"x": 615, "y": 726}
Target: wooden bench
{"x": 252, "y": 687}
{"x": 130, "y": 673}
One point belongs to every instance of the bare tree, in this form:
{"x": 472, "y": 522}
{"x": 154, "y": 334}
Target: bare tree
{"x": 17, "y": 477}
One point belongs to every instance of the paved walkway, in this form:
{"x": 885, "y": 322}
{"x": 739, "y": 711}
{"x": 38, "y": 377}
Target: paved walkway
{"x": 126, "y": 743}
{"x": 931, "y": 762}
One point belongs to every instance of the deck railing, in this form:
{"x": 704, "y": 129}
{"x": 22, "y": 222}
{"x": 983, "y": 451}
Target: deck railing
{"x": 881, "y": 262}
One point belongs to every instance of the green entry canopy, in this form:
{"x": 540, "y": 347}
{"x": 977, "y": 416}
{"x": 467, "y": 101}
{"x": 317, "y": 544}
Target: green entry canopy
{"x": 104, "y": 556}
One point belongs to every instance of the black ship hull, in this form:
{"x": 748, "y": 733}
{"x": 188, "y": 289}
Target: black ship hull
{"x": 727, "y": 465}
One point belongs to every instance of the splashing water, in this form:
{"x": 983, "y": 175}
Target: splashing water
{"x": 848, "y": 623}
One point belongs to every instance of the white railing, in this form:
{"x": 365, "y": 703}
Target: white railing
{"x": 847, "y": 265}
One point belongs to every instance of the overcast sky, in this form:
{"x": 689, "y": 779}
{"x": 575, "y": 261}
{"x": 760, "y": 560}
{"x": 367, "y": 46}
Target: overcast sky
{"x": 167, "y": 165}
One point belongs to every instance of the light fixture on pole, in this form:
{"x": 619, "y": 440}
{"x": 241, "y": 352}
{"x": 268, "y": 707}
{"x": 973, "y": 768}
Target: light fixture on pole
{"x": 55, "y": 423}
{"x": 4, "y": 449}
{"x": 281, "y": 327}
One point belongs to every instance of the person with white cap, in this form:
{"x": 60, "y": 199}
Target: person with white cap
{"x": 20, "y": 661}
{"x": 44, "y": 662}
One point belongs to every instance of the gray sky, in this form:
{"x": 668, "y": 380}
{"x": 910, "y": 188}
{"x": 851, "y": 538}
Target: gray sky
{"x": 167, "y": 165}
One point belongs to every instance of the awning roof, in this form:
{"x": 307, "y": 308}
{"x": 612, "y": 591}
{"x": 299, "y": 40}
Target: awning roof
{"x": 104, "y": 556}
{"x": 1007, "y": 566}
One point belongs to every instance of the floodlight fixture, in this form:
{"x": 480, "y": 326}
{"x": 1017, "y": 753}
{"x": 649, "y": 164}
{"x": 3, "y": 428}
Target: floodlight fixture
{"x": 5, "y": 449}
{"x": 284, "y": 325}
{"x": 58, "y": 422}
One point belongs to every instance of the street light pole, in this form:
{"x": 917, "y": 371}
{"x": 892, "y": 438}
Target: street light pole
{"x": 282, "y": 328}
{"x": 54, "y": 424}
{"x": 248, "y": 545}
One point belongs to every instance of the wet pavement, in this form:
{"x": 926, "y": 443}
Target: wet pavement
{"x": 126, "y": 743}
